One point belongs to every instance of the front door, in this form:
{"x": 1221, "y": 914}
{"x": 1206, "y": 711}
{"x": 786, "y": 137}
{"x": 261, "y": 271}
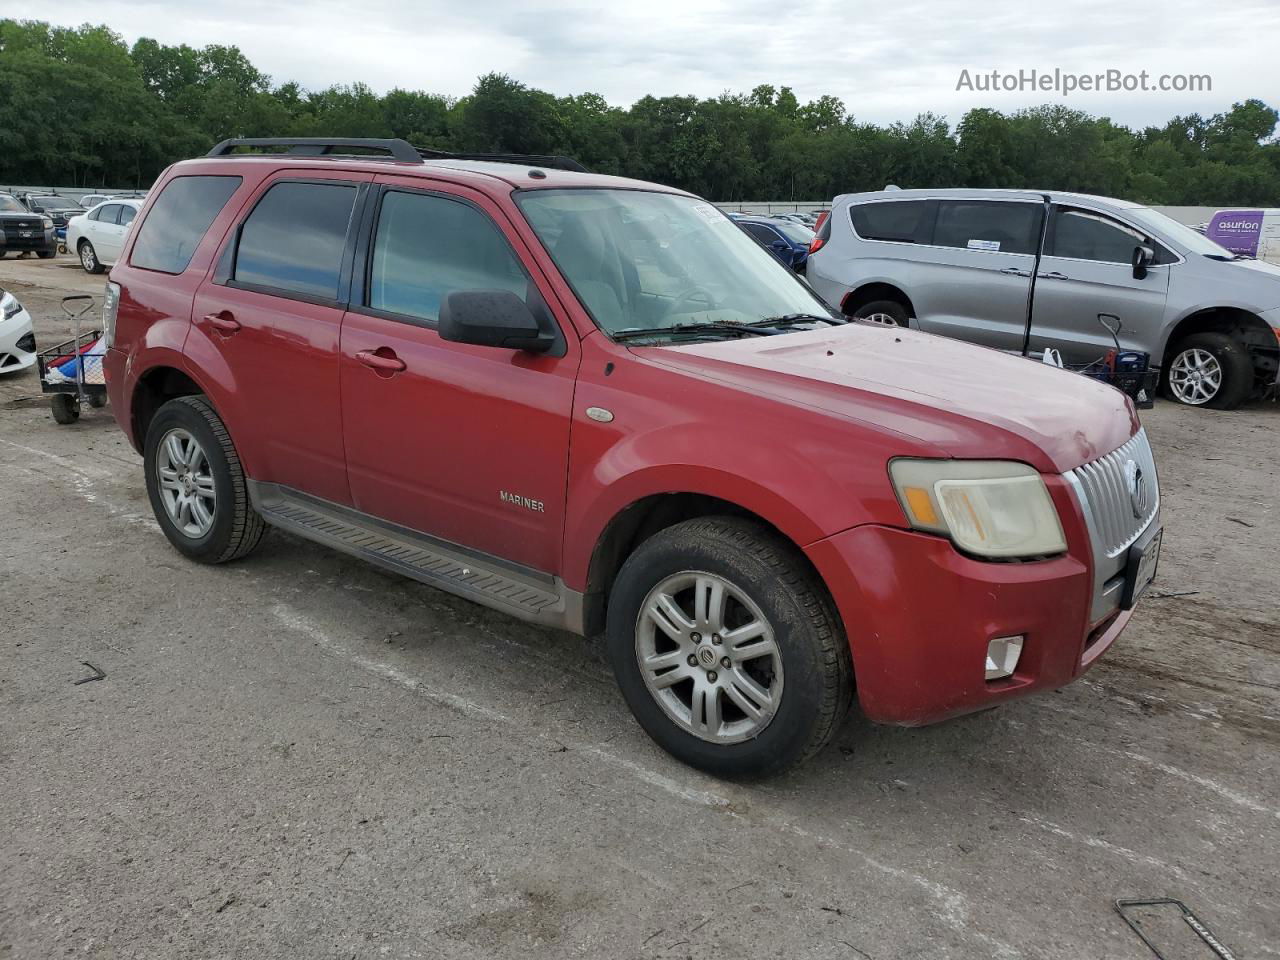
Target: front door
{"x": 272, "y": 310}
{"x": 1087, "y": 269}
{"x": 466, "y": 443}
{"x": 974, "y": 280}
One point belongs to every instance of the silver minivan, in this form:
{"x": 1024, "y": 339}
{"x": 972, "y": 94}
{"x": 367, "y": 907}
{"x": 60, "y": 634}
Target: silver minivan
{"x": 1024, "y": 271}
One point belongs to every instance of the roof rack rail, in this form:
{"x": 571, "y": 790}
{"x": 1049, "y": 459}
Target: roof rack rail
{"x": 398, "y": 150}
{"x": 320, "y": 146}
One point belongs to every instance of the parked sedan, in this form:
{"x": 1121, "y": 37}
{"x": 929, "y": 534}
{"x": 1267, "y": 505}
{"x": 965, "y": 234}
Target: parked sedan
{"x": 98, "y": 236}
{"x": 786, "y": 240}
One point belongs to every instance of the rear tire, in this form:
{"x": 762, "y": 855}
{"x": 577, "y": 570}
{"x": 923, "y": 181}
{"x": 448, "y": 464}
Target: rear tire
{"x": 235, "y": 527}
{"x": 773, "y": 598}
{"x": 1209, "y": 370}
{"x": 886, "y": 313}
{"x": 89, "y": 257}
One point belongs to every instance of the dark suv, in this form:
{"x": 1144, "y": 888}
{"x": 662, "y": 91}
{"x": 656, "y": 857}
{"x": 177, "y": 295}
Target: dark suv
{"x": 599, "y": 405}
{"x": 22, "y": 231}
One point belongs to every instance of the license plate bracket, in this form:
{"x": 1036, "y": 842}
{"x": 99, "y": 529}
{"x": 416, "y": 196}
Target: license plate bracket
{"x": 1140, "y": 567}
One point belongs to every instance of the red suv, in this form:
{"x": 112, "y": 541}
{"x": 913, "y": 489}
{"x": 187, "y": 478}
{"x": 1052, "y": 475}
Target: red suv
{"x": 597, "y": 404}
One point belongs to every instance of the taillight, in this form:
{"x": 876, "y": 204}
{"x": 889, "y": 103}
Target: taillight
{"x": 110, "y": 306}
{"x": 821, "y": 232}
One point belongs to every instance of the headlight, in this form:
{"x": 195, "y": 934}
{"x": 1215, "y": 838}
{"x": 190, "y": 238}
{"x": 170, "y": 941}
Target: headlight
{"x": 48, "y": 223}
{"x": 10, "y": 305}
{"x": 110, "y": 305}
{"x": 992, "y": 508}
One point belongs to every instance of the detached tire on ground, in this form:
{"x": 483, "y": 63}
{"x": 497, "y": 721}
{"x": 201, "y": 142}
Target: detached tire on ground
{"x": 727, "y": 648}
{"x": 1209, "y": 370}
{"x": 197, "y": 485}
{"x": 888, "y": 313}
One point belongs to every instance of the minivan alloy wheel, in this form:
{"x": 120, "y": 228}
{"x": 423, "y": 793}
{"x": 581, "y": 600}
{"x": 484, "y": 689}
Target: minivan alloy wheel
{"x": 186, "y": 483}
{"x": 1195, "y": 376}
{"x": 709, "y": 657}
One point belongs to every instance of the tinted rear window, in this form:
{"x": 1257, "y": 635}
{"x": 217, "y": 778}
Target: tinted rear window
{"x": 901, "y": 220}
{"x": 178, "y": 220}
{"x": 294, "y": 239}
{"x": 993, "y": 226}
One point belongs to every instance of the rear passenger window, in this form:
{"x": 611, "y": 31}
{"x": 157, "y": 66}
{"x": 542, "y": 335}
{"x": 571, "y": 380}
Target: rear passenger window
{"x": 1081, "y": 235}
{"x": 989, "y": 225}
{"x": 127, "y": 213}
{"x": 427, "y": 247}
{"x": 178, "y": 220}
{"x": 900, "y": 220}
{"x": 294, "y": 239}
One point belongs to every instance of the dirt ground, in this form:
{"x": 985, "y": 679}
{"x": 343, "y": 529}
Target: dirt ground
{"x": 300, "y": 756}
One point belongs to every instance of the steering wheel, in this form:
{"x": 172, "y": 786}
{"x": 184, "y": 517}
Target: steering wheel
{"x": 690, "y": 296}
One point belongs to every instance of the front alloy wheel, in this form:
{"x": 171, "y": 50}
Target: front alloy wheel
{"x": 1195, "y": 377}
{"x": 708, "y": 656}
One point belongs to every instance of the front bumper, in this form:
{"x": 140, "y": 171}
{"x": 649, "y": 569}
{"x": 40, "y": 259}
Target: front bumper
{"x": 919, "y": 615}
{"x": 17, "y": 343}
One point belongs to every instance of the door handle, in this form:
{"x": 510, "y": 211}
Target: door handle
{"x": 379, "y": 362}
{"x": 1015, "y": 272}
{"x": 223, "y": 321}
{"x": 1053, "y": 275}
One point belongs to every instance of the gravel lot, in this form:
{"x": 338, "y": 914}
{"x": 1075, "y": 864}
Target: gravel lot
{"x": 300, "y": 756}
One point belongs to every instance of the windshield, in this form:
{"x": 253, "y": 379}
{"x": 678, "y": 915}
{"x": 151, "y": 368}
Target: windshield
{"x": 641, "y": 261}
{"x": 1180, "y": 233}
{"x": 55, "y": 203}
{"x": 10, "y": 205}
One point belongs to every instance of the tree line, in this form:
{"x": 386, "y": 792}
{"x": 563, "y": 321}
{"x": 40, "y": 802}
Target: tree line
{"x": 80, "y": 107}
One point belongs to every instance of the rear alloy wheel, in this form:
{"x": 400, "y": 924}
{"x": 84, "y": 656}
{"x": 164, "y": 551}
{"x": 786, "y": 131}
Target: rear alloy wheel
{"x": 885, "y": 313}
{"x": 727, "y": 648}
{"x": 1210, "y": 370}
{"x": 89, "y": 257}
{"x": 196, "y": 484}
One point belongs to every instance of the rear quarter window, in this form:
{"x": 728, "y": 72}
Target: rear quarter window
{"x": 178, "y": 221}
{"x": 903, "y": 221}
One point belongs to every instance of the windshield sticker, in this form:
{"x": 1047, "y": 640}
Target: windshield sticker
{"x": 992, "y": 245}
{"x": 709, "y": 213}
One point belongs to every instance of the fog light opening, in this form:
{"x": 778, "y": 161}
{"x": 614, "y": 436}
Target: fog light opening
{"x": 1002, "y": 656}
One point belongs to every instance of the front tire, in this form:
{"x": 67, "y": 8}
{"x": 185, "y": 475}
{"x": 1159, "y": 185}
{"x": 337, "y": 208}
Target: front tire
{"x": 1210, "y": 370}
{"x": 728, "y": 649}
{"x": 89, "y": 257}
{"x": 197, "y": 485}
{"x": 46, "y": 254}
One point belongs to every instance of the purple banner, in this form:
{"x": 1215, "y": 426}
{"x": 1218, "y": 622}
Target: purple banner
{"x": 1237, "y": 230}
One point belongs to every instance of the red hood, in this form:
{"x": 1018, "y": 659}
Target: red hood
{"x": 961, "y": 400}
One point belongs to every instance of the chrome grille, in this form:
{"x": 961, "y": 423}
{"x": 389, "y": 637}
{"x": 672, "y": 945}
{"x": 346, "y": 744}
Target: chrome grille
{"x": 1107, "y": 486}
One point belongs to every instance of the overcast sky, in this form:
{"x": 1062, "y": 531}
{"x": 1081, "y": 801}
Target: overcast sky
{"x": 887, "y": 60}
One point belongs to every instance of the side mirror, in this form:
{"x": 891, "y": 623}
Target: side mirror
{"x": 491, "y": 318}
{"x": 1143, "y": 257}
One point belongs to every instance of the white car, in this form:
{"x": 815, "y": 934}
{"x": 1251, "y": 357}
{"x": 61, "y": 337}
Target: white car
{"x": 97, "y": 237}
{"x": 17, "y": 341}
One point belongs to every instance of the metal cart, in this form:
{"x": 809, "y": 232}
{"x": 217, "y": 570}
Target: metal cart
{"x": 85, "y": 383}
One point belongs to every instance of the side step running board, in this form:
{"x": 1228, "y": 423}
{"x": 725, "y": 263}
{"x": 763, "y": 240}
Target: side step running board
{"x": 521, "y": 592}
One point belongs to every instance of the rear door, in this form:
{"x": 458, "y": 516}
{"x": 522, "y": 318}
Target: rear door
{"x": 1087, "y": 269}
{"x": 466, "y": 443}
{"x": 271, "y": 314}
{"x": 106, "y": 232}
{"x": 973, "y": 280}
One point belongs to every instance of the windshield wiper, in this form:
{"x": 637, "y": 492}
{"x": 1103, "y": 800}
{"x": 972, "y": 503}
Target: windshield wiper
{"x": 687, "y": 329}
{"x": 791, "y": 319}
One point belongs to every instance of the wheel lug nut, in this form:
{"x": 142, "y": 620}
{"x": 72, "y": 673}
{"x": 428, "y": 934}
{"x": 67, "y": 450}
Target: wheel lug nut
{"x": 695, "y": 637}
{"x": 711, "y": 675}
{"x": 693, "y": 661}
{"x": 715, "y": 638}
{"x": 724, "y": 662}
